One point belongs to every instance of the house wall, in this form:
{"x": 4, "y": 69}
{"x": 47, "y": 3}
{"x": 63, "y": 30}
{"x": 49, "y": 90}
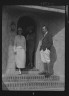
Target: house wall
{"x": 56, "y": 26}
{"x": 4, "y": 40}
{"x": 58, "y": 30}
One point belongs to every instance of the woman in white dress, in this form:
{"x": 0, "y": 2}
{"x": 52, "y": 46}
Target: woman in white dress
{"x": 20, "y": 50}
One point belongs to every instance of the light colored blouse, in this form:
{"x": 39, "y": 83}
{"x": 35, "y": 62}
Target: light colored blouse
{"x": 20, "y": 41}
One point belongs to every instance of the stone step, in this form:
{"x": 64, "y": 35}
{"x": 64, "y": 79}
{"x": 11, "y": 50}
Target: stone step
{"x": 28, "y": 77}
{"x": 34, "y": 85}
{"x": 32, "y": 82}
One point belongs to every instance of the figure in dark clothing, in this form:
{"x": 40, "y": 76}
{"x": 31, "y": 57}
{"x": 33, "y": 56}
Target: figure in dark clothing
{"x": 30, "y": 39}
{"x": 47, "y": 42}
{"x": 45, "y": 49}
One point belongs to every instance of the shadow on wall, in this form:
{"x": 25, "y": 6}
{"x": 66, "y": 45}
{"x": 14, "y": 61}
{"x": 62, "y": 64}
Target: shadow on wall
{"x": 53, "y": 58}
{"x": 56, "y": 24}
{"x": 54, "y": 28}
{"x": 4, "y": 86}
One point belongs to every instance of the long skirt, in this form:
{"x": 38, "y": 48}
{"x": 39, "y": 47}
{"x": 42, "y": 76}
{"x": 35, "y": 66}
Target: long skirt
{"x": 20, "y": 57}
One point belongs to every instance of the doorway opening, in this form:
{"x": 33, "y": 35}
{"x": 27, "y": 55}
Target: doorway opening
{"x": 28, "y": 24}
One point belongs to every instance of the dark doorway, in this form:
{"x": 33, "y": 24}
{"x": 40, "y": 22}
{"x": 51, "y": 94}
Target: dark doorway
{"x": 27, "y": 23}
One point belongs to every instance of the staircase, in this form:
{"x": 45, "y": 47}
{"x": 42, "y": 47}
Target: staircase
{"x": 33, "y": 82}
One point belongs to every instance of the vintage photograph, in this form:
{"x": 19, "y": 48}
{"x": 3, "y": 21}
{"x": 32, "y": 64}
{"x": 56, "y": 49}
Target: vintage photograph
{"x": 33, "y": 48}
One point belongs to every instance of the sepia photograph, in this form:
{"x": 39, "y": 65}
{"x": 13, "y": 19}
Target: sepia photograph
{"x": 33, "y": 48}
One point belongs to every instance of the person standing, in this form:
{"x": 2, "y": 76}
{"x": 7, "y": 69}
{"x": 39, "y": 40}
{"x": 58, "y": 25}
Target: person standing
{"x": 10, "y": 61}
{"x": 45, "y": 48}
{"x": 31, "y": 47}
{"x": 20, "y": 50}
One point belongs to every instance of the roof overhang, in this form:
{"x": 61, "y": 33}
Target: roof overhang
{"x": 43, "y": 8}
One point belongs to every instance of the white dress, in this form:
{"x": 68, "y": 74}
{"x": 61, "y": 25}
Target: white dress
{"x": 20, "y": 51}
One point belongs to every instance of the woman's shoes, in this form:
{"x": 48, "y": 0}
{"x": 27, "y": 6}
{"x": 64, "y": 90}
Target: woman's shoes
{"x": 20, "y": 72}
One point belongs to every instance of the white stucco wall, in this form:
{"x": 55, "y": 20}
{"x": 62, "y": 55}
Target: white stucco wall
{"x": 59, "y": 39}
{"x": 57, "y": 27}
{"x": 4, "y": 40}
